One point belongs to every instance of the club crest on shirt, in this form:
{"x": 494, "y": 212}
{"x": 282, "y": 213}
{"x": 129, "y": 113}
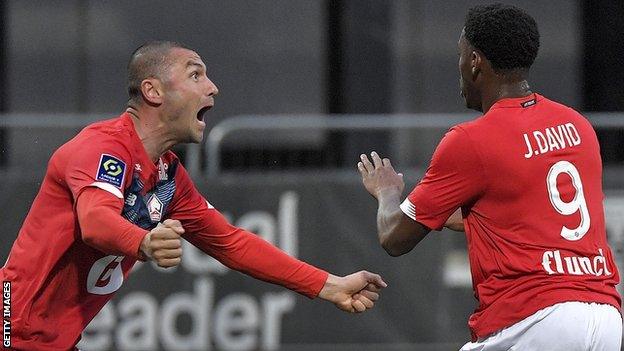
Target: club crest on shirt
{"x": 146, "y": 207}
{"x": 155, "y": 208}
{"x": 111, "y": 170}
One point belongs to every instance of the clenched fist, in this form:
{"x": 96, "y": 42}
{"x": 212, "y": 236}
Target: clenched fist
{"x": 163, "y": 245}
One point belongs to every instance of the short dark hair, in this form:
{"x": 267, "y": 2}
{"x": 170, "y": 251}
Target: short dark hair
{"x": 150, "y": 60}
{"x": 507, "y": 35}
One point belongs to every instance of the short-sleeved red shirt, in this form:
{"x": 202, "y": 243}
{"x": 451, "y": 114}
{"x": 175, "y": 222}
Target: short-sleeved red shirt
{"x": 59, "y": 283}
{"x": 528, "y": 178}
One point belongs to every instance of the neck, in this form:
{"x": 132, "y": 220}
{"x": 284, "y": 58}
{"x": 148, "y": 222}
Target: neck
{"x": 504, "y": 89}
{"x": 152, "y": 132}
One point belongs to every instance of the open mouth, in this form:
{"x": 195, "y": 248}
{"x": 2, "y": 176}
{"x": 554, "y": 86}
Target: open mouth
{"x": 201, "y": 112}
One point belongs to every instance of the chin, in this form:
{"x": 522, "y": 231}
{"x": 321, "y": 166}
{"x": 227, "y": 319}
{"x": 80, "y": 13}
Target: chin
{"x": 196, "y": 139}
{"x": 193, "y": 139}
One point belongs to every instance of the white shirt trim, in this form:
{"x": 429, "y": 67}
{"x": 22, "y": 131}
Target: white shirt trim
{"x": 108, "y": 187}
{"x": 408, "y": 208}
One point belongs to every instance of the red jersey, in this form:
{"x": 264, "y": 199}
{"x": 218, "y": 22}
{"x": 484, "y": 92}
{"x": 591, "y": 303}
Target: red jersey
{"x": 59, "y": 283}
{"x": 528, "y": 178}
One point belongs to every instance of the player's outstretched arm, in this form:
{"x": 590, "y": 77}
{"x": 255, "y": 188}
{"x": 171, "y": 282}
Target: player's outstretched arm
{"x": 398, "y": 234}
{"x": 356, "y": 292}
{"x": 208, "y": 230}
{"x": 248, "y": 253}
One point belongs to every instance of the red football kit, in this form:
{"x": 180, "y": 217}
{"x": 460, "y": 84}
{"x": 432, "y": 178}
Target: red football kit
{"x": 528, "y": 178}
{"x": 101, "y": 194}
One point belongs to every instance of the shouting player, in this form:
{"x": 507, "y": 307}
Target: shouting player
{"x": 116, "y": 194}
{"x": 527, "y": 178}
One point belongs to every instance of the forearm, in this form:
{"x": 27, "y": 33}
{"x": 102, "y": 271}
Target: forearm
{"x": 388, "y": 215}
{"x": 397, "y": 233}
{"x": 248, "y": 253}
{"x": 103, "y": 228}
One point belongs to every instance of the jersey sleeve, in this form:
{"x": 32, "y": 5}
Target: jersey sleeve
{"x": 103, "y": 164}
{"x": 103, "y": 228}
{"x": 239, "y": 249}
{"x": 455, "y": 177}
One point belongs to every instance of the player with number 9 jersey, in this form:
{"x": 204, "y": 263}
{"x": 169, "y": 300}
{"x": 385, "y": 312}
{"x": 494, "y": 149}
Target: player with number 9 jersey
{"x": 524, "y": 181}
{"x": 528, "y": 177}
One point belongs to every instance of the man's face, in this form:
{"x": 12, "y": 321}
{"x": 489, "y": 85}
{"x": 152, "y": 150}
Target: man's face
{"x": 189, "y": 94}
{"x": 467, "y": 86}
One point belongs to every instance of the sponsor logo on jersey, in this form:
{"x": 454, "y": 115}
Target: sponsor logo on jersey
{"x": 155, "y": 208}
{"x": 105, "y": 276}
{"x": 131, "y": 199}
{"x": 111, "y": 170}
{"x": 554, "y": 263}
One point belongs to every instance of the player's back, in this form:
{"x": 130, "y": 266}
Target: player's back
{"x": 536, "y": 234}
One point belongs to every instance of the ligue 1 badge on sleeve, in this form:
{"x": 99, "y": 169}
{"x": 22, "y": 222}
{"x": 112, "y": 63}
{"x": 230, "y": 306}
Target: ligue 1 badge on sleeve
{"x": 111, "y": 170}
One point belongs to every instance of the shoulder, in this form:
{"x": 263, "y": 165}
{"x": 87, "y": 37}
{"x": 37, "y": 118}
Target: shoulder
{"x": 115, "y": 129}
{"x": 570, "y": 114}
{"x": 559, "y": 108}
{"x": 458, "y": 147}
{"x": 96, "y": 140}
{"x": 464, "y": 134}
{"x": 472, "y": 126}
{"x": 103, "y": 133}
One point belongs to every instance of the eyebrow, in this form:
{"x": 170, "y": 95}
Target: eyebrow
{"x": 193, "y": 63}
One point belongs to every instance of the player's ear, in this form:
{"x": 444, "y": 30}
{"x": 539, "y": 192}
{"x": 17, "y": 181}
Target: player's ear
{"x": 152, "y": 90}
{"x": 476, "y": 61}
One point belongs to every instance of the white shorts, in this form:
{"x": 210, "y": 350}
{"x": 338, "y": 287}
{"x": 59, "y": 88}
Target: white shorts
{"x": 567, "y": 326}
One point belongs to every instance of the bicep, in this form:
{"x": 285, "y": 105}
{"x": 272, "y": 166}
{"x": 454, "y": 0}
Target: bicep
{"x": 209, "y": 231}
{"x": 103, "y": 227}
{"x": 93, "y": 199}
{"x": 102, "y": 165}
{"x": 455, "y": 178}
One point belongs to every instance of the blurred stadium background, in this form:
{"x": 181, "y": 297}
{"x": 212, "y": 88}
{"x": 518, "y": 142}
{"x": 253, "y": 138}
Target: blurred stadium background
{"x": 305, "y": 87}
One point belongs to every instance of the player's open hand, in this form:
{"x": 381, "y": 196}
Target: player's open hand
{"x": 163, "y": 244}
{"x": 379, "y": 175}
{"x": 354, "y": 293}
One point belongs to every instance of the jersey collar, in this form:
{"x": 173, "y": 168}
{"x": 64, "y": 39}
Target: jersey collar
{"x": 521, "y": 102}
{"x": 147, "y": 166}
